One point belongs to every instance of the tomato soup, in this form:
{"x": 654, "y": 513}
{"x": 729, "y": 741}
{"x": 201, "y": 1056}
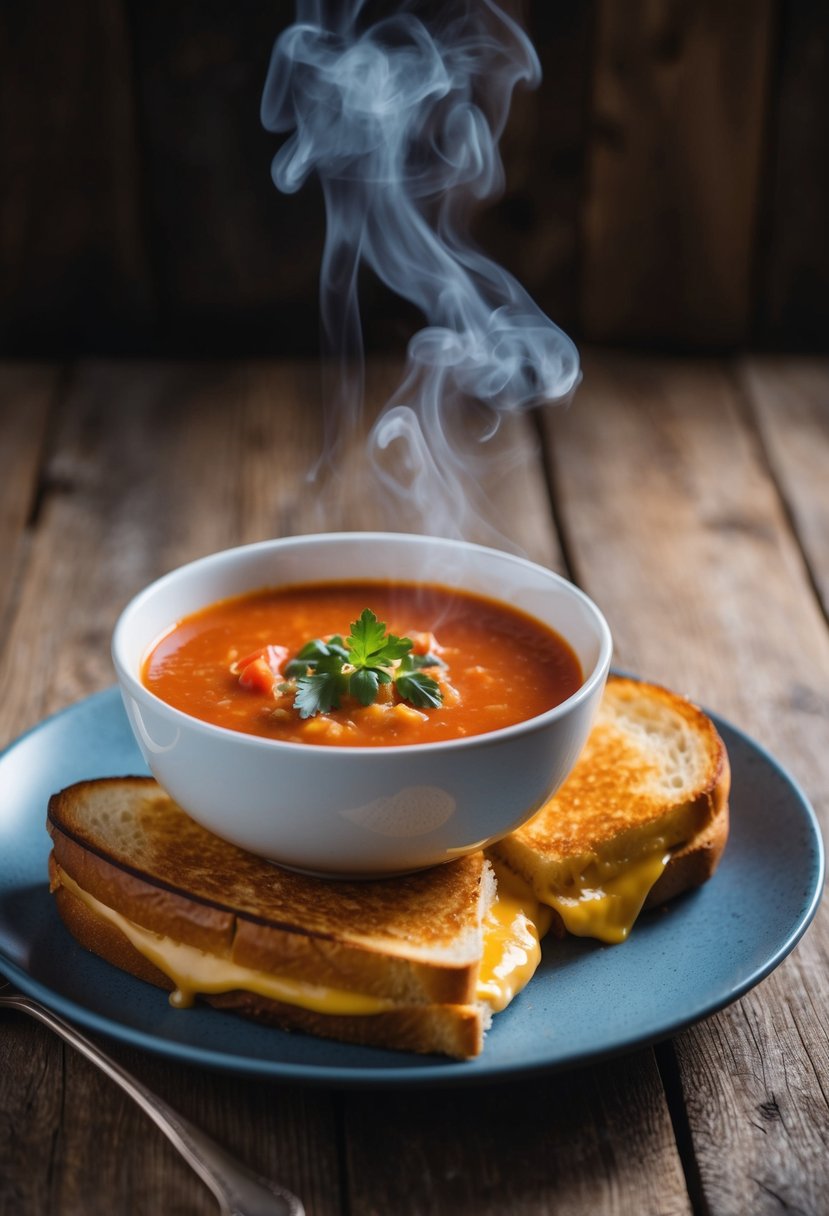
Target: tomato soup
{"x": 475, "y": 665}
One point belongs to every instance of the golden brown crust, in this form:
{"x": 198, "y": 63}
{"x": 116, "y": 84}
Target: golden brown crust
{"x": 342, "y": 943}
{"x": 145, "y": 833}
{"x": 689, "y": 867}
{"x": 653, "y": 764}
{"x": 156, "y": 908}
{"x": 454, "y": 1030}
{"x": 102, "y": 938}
{"x": 450, "y": 1030}
{"x": 694, "y": 864}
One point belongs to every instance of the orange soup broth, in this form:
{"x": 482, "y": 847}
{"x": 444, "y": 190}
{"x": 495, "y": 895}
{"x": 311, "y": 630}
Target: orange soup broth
{"x": 502, "y": 666}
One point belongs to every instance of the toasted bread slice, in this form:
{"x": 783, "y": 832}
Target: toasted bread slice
{"x": 409, "y": 947}
{"x": 452, "y": 1030}
{"x": 694, "y": 863}
{"x": 651, "y": 784}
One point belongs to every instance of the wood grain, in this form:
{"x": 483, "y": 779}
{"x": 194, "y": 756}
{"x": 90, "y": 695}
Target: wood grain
{"x": 790, "y": 401}
{"x": 26, "y": 395}
{"x": 666, "y": 182}
{"x": 237, "y": 262}
{"x": 597, "y": 1140}
{"x": 679, "y": 98}
{"x": 73, "y": 259}
{"x": 753, "y": 1080}
{"x": 31, "y": 1115}
{"x": 681, "y": 536}
{"x": 792, "y": 308}
{"x": 70, "y": 1141}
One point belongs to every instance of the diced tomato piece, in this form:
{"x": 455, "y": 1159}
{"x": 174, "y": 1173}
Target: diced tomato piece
{"x": 260, "y": 670}
{"x": 274, "y": 656}
{"x": 426, "y": 643}
{"x": 257, "y": 676}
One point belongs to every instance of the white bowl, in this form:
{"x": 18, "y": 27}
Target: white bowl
{"x": 360, "y": 811}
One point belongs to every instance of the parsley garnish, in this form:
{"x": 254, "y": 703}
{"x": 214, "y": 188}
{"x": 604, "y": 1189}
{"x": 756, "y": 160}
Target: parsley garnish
{"x": 325, "y": 671}
{"x": 311, "y": 654}
{"x": 369, "y": 646}
{"x": 419, "y": 689}
{"x": 317, "y": 693}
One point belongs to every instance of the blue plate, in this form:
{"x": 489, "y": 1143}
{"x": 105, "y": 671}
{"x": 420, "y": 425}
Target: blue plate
{"x": 585, "y": 1002}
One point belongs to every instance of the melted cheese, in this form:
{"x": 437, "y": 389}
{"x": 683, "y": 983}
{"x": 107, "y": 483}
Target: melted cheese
{"x": 194, "y": 971}
{"x": 513, "y": 928}
{"x": 604, "y": 903}
{"x": 511, "y": 954}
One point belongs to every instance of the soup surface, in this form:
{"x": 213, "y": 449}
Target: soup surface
{"x": 235, "y": 664}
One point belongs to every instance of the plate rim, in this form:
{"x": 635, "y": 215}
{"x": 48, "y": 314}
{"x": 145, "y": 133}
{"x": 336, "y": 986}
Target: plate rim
{"x": 443, "y": 1073}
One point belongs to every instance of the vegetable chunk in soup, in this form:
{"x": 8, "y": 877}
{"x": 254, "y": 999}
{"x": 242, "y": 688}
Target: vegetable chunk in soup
{"x": 362, "y": 665}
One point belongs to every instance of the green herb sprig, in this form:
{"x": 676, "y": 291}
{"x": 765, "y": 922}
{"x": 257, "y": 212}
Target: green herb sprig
{"x": 326, "y": 671}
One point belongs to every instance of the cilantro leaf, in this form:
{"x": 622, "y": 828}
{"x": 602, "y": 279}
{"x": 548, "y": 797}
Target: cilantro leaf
{"x": 420, "y": 690}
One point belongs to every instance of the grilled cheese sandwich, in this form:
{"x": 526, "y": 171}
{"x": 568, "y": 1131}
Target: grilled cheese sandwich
{"x": 511, "y": 953}
{"x": 649, "y": 792}
{"x": 420, "y": 962}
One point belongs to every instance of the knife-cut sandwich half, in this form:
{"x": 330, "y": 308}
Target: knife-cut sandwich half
{"x": 642, "y": 818}
{"x": 418, "y": 962}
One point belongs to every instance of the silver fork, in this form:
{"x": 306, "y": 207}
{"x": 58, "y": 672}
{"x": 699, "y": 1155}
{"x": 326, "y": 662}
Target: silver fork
{"x": 238, "y": 1190}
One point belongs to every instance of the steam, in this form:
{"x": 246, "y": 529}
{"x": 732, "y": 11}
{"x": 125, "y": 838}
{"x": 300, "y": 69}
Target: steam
{"x": 401, "y": 121}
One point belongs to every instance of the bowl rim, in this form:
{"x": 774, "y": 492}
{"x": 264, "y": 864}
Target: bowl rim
{"x": 259, "y": 742}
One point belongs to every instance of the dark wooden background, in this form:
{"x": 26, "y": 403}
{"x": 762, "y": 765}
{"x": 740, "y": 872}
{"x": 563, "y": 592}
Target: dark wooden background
{"x": 667, "y": 184}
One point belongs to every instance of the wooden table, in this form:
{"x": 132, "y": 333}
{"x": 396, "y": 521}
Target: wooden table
{"x": 691, "y": 500}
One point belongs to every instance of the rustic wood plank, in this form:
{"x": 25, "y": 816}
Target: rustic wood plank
{"x": 679, "y": 98}
{"x": 27, "y": 392}
{"x": 31, "y": 1114}
{"x": 282, "y": 1132}
{"x": 790, "y": 399}
{"x": 754, "y": 1086}
{"x": 681, "y": 537}
{"x": 72, "y": 255}
{"x": 70, "y": 1141}
{"x": 793, "y": 253}
{"x": 590, "y": 1141}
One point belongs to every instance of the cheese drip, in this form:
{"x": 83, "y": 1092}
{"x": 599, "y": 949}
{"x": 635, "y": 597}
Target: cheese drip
{"x": 606, "y": 905}
{"x": 513, "y": 928}
{"x": 194, "y": 971}
{"x": 511, "y": 954}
